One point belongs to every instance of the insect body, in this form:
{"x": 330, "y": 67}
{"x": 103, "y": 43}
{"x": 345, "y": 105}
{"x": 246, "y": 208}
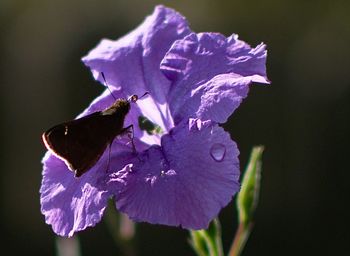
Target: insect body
{"x": 80, "y": 143}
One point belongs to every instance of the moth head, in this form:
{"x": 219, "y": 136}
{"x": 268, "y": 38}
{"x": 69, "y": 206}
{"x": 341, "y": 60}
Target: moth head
{"x": 134, "y": 97}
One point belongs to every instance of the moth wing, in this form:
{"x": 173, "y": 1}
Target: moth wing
{"x": 81, "y": 142}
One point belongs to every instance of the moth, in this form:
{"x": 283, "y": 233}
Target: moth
{"x": 80, "y": 143}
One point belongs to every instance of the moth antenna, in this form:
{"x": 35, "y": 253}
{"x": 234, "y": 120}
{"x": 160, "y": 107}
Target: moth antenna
{"x": 146, "y": 93}
{"x": 104, "y": 79}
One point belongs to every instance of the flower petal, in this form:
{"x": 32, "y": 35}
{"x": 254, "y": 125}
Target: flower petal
{"x": 131, "y": 63}
{"x": 184, "y": 182}
{"x": 71, "y": 204}
{"x": 216, "y": 99}
{"x": 200, "y": 63}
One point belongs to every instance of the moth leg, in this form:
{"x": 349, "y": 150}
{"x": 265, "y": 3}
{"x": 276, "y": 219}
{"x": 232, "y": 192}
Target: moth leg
{"x": 109, "y": 155}
{"x": 130, "y": 131}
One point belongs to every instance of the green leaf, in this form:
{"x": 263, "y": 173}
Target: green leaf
{"x": 249, "y": 195}
{"x": 207, "y": 242}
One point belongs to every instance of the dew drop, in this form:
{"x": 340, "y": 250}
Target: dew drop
{"x": 217, "y": 152}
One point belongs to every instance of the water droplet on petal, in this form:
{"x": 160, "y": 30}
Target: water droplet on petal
{"x": 217, "y": 152}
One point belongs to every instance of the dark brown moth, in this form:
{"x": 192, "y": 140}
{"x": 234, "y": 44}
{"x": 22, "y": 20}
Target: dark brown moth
{"x": 80, "y": 143}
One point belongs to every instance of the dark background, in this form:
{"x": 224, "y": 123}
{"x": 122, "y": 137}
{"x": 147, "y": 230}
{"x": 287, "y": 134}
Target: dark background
{"x": 302, "y": 118}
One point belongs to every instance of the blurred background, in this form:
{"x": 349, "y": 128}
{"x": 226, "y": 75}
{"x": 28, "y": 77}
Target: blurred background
{"x": 302, "y": 118}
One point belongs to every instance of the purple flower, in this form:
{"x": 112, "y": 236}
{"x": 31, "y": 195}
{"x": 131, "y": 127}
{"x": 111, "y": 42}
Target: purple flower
{"x": 186, "y": 167}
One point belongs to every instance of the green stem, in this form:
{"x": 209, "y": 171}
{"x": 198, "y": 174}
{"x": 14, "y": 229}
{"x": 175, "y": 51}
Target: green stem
{"x": 240, "y": 239}
{"x": 209, "y": 243}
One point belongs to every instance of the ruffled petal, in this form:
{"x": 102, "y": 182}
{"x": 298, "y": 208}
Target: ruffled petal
{"x": 71, "y": 204}
{"x": 216, "y": 99}
{"x": 131, "y": 63}
{"x": 200, "y": 63}
{"x": 185, "y": 182}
